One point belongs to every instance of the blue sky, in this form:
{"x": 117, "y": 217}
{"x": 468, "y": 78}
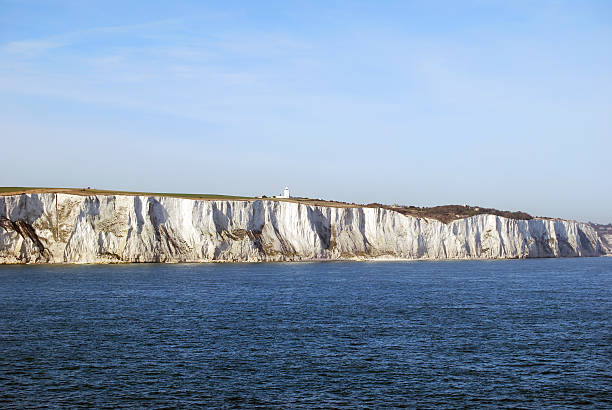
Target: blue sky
{"x": 504, "y": 104}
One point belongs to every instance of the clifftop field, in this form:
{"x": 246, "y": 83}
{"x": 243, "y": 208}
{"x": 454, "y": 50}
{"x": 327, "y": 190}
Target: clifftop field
{"x": 90, "y": 191}
{"x": 444, "y": 213}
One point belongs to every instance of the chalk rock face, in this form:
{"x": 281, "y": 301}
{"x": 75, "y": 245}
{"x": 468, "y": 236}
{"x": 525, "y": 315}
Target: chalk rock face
{"x": 606, "y": 241}
{"x": 62, "y": 228}
{"x": 605, "y": 234}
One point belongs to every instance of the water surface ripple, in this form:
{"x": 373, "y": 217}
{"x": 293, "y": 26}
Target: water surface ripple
{"x": 531, "y": 333}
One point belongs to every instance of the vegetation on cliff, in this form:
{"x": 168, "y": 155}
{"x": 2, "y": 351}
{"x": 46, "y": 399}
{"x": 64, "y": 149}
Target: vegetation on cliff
{"x": 443, "y": 213}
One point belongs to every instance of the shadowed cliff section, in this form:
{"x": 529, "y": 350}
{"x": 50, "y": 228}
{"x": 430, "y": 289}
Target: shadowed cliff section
{"x": 16, "y": 223}
{"x": 605, "y": 234}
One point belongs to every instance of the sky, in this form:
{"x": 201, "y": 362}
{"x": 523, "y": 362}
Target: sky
{"x": 504, "y": 104}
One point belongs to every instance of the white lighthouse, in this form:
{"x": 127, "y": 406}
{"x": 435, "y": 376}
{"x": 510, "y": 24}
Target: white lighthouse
{"x": 286, "y": 193}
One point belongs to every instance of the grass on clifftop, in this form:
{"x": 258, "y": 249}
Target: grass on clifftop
{"x": 448, "y": 213}
{"x": 445, "y": 213}
{"x": 14, "y": 189}
{"x": 85, "y": 191}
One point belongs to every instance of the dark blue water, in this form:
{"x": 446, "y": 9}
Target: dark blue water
{"x": 529, "y": 333}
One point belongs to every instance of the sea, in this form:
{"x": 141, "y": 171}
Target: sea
{"x": 531, "y": 333}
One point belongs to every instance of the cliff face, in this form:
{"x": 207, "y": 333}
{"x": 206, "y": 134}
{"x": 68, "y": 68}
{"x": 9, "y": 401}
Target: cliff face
{"x": 62, "y": 228}
{"x": 605, "y": 234}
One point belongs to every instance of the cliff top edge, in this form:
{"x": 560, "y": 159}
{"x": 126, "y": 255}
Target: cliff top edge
{"x": 443, "y": 213}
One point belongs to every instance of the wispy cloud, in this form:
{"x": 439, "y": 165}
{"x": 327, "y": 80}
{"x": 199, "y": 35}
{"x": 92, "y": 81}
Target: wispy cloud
{"x": 199, "y": 77}
{"x": 32, "y": 47}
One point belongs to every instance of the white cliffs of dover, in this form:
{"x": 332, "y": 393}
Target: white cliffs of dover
{"x": 64, "y": 228}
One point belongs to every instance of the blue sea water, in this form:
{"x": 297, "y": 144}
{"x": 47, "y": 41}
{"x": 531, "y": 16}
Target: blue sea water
{"x": 519, "y": 333}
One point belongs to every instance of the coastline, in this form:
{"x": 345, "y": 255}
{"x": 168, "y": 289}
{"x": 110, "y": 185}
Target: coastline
{"x": 110, "y": 229}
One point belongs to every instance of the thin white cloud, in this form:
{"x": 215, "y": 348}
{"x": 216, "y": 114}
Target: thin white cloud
{"x": 32, "y": 47}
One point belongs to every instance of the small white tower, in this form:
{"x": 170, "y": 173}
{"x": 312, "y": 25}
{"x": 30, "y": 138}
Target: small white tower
{"x": 286, "y": 193}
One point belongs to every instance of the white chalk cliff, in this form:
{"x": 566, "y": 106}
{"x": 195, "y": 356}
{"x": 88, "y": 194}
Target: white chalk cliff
{"x": 63, "y": 228}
